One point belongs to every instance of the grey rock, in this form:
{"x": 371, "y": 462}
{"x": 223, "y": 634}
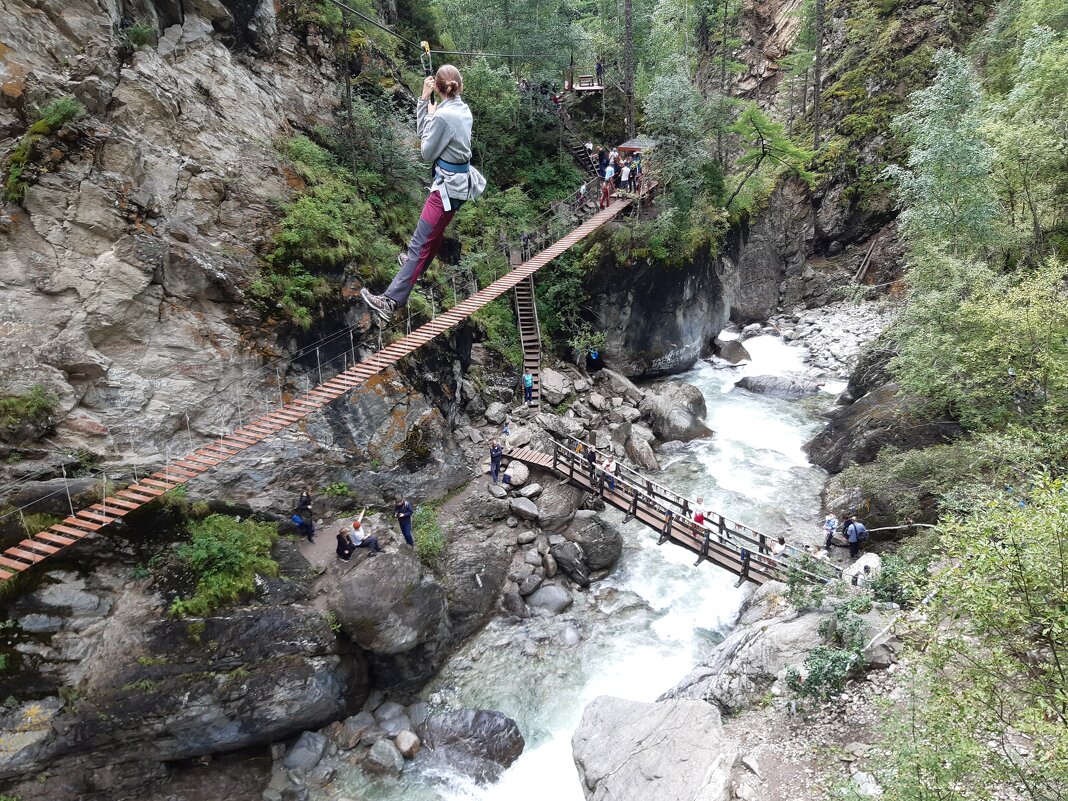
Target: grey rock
{"x": 306, "y": 752}
{"x": 418, "y": 713}
{"x": 676, "y": 411}
{"x": 531, "y": 491}
{"x": 478, "y": 741}
{"x": 866, "y": 785}
{"x": 523, "y": 508}
{"x": 732, "y": 350}
{"x": 600, "y": 540}
{"x": 552, "y": 598}
{"x": 529, "y": 585}
{"x": 517, "y": 473}
{"x": 526, "y": 537}
{"x": 533, "y": 557}
{"x": 549, "y": 565}
{"x": 398, "y": 613}
{"x": 347, "y": 735}
{"x": 555, "y": 386}
{"x": 497, "y": 491}
{"x": 384, "y": 757}
{"x": 778, "y": 386}
{"x": 496, "y": 412}
{"x": 396, "y": 724}
{"x": 407, "y": 743}
{"x": 557, "y": 505}
{"x": 628, "y": 749}
{"x": 641, "y": 453}
{"x": 388, "y": 709}
{"x": 571, "y": 560}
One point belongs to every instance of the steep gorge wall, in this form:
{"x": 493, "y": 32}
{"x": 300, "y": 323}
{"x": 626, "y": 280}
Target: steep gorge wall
{"x": 123, "y": 268}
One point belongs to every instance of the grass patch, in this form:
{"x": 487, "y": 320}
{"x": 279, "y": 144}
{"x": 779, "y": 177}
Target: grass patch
{"x": 52, "y": 117}
{"x": 33, "y": 406}
{"x": 429, "y": 538}
{"x": 338, "y": 489}
{"x": 140, "y": 34}
{"x": 225, "y": 555}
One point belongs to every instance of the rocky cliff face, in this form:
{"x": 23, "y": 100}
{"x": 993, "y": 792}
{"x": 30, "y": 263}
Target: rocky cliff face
{"x": 123, "y": 267}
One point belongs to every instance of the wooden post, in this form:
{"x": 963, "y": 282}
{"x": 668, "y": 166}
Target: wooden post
{"x": 743, "y": 575}
{"x": 633, "y": 512}
{"x": 665, "y": 534}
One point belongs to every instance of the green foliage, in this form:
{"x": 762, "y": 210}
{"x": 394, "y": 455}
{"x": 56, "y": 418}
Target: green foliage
{"x": 224, "y": 555}
{"x": 330, "y": 616}
{"x": 338, "y": 489}
{"x": 33, "y": 406}
{"x": 765, "y": 144}
{"x": 429, "y": 538}
{"x": 984, "y": 347}
{"x": 587, "y": 341}
{"x": 140, "y": 34}
{"x": 826, "y": 670}
{"x": 945, "y": 184}
{"x": 990, "y": 709}
{"x": 3, "y": 667}
{"x": 51, "y": 118}
{"x": 59, "y": 112}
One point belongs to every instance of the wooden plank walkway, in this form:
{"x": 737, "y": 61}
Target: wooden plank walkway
{"x": 738, "y": 549}
{"x": 114, "y": 506}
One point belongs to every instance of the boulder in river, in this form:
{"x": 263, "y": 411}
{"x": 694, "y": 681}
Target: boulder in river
{"x": 600, "y": 540}
{"x": 552, "y": 598}
{"x": 676, "y": 411}
{"x": 732, "y": 350}
{"x": 478, "y": 742}
{"x": 778, "y": 386}
{"x": 662, "y": 750}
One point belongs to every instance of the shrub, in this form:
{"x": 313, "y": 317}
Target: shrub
{"x": 338, "y": 489}
{"x": 429, "y": 538}
{"x": 33, "y": 406}
{"x": 826, "y": 671}
{"x": 51, "y": 117}
{"x": 225, "y": 555}
{"x": 140, "y": 34}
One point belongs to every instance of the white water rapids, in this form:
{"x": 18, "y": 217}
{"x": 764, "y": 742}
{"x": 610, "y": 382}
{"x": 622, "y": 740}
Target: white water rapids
{"x": 646, "y": 626}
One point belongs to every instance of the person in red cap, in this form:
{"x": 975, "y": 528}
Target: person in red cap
{"x": 362, "y": 539}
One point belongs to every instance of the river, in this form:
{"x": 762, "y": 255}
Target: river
{"x": 635, "y": 634}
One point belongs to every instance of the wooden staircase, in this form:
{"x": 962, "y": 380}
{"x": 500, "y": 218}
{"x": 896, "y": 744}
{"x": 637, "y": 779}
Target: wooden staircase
{"x": 526, "y": 312}
{"x": 586, "y": 161}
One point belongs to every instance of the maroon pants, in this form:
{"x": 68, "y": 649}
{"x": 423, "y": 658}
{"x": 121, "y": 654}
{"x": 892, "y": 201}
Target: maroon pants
{"x": 425, "y": 244}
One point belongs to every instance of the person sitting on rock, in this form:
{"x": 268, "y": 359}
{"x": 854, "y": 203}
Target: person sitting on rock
{"x": 345, "y": 545}
{"x": 305, "y": 527}
{"x": 361, "y": 539}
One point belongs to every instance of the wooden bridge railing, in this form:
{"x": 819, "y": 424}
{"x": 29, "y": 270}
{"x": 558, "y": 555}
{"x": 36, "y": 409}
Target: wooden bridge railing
{"x": 652, "y": 502}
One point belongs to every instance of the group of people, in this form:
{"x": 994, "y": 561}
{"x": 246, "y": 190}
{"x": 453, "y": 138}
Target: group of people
{"x": 354, "y": 534}
{"x": 616, "y": 172}
{"x": 853, "y": 533}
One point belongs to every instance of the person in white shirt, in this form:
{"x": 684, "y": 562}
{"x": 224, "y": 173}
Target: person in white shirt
{"x": 609, "y": 468}
{"x": 361, "y": 539}
{"x": 624, "y": 177}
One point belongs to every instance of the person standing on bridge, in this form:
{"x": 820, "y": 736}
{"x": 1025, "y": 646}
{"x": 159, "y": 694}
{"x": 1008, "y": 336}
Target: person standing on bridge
{"x": 609, "y": 468}
{"x": 444, "y": 131}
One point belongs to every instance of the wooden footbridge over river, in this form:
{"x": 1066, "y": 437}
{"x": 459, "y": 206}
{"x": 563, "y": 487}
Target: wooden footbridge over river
{"x": 733, "y": 547}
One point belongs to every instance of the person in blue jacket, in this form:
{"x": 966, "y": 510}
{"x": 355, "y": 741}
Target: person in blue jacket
{"x": 855, "y": 533}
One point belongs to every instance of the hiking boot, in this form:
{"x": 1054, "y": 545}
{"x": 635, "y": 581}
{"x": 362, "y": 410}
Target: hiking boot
{"x": 382, "y": 306}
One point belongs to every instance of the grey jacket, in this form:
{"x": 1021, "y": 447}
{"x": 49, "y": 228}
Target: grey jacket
{"x": 446, "y": 134}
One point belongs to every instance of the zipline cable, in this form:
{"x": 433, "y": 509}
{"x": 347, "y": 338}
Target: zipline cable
{"x": 374, "y": 22}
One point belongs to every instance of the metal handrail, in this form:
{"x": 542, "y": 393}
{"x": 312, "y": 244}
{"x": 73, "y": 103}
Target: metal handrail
{"x": 725, "y": 529}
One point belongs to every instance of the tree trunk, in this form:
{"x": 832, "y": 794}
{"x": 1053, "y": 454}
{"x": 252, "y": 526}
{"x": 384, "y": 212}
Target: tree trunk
{"x": 817, "y": 79}
{"x": 628, "y": 66}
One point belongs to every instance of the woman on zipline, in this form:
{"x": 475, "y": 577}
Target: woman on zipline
{"x": 445, "y": 133}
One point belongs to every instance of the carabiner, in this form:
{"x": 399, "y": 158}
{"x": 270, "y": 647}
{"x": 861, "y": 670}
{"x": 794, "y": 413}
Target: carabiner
{"x": 425, "y": 59}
